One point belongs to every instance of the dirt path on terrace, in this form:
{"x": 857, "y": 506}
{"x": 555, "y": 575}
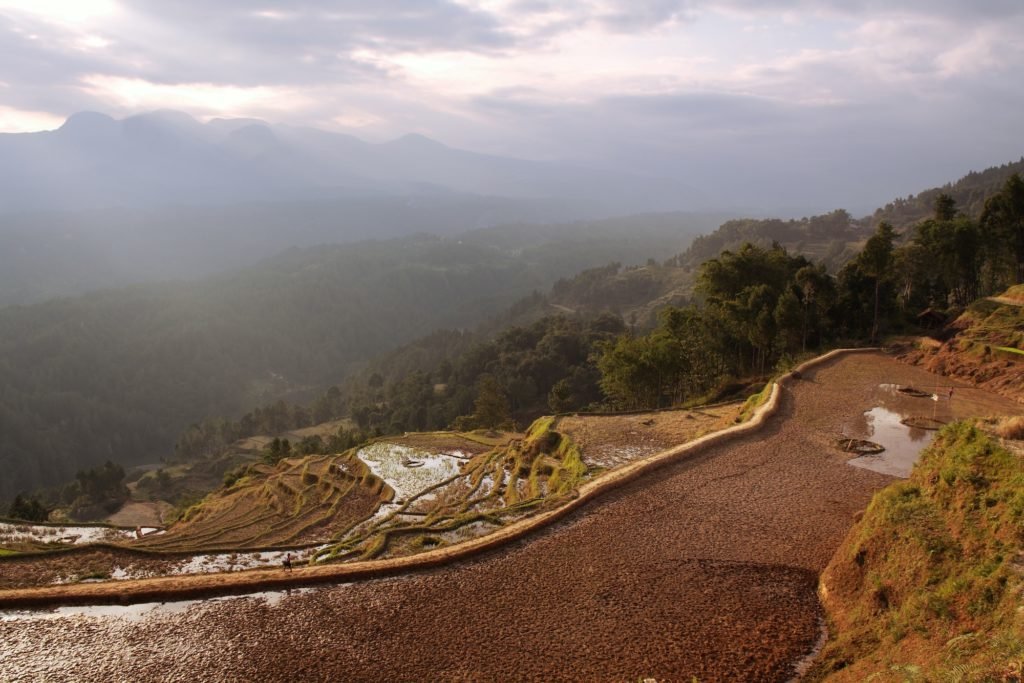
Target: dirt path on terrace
{"x": 704, "y": 568}
{"x": 137, "y": 513}
{"x": 1007, "y": 300}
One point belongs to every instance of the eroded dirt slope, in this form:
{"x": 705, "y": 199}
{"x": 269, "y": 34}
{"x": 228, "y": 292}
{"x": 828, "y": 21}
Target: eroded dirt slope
{"x": 984, "y": 347}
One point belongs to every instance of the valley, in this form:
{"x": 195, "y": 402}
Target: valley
{"x": 497, "y": 341}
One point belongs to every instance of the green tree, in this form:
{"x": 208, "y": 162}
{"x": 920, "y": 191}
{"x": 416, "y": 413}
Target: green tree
{"x": 817, "y": 294}
{"x": 945, "y": 207}
{"x": 491, "y": 409}
{"x": 1003, "y": 218}
{"x": 875, "y": 261}
{"x": 560, "y": 396}
{"x": 28, "y": 509}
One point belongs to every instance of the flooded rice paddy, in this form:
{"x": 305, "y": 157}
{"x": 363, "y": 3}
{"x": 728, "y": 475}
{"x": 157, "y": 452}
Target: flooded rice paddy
{"x": 16, "y": 532}
{"x": 707, "y": 568}
{"x": 906, "y": 417}
{"x": 903, "y": 444}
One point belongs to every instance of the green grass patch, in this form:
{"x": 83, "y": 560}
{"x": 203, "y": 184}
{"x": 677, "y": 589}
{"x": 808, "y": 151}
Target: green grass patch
{"x": 935, "y": 561}
{"x": 754, "y": 402}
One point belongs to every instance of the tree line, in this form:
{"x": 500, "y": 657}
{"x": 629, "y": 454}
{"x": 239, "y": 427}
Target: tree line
{"x": 761, "y": 305}
{"x": 753, "y": 308}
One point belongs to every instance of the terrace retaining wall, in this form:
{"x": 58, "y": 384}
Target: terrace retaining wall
{"x": 206, "y": 585}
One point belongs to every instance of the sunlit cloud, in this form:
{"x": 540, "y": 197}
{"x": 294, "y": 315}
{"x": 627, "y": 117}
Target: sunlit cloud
{"x": 204, "y": 99}
{"x": 355, "y": 119}
{"x": 675, "y": 84}
{"x": 62, "y": 11}
{"x": 21, "y": 121}
{"x": 93, "y": 42}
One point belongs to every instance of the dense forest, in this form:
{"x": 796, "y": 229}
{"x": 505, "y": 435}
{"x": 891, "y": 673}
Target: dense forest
{"x": 116, "y": 375}
{"x": 970, "y": 194}
{"x": 119, "y": 375}
{"x": 754, "y": 309}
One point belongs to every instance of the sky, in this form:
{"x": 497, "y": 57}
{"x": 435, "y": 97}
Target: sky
{"x": 850, "y": 101}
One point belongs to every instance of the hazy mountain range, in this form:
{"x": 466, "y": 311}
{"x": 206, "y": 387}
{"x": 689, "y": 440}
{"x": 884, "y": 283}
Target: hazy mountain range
{"x": 168, "y": 158}
{"x": 101, "y": 202}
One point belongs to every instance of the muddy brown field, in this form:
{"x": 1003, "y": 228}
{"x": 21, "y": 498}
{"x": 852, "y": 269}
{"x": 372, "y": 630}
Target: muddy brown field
{"x": 705, "y": 568}
{"x": 612, "y": 440}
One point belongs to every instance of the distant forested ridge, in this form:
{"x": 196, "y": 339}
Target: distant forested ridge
{"x": 749, "y": 311}
{"x": 969, "y": 194}
{"x": 831, "y": 238}
{"x": 120, "y": 375}
{"x": 117, "y": 375}
{"x": 835, "y": 237}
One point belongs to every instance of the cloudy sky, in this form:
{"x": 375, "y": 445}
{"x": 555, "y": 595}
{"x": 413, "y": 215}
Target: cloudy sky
{"x": 851, "y": 101}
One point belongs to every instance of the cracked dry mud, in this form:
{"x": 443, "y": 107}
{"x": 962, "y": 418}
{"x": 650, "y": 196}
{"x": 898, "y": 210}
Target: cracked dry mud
{"x": 706, "y": 568}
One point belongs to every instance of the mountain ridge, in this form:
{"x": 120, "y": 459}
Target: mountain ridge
{"x": 94, "y": 160}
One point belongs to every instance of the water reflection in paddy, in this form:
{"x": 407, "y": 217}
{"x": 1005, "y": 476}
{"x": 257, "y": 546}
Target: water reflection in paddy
{"x": 902, "y": 444}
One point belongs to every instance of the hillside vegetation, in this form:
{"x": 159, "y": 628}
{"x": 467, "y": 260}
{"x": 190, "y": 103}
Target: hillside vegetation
{"x": 970, "y": 193}
{"x": 928, "y": 584}
{"x": 738, "y": 315}
{"x": 984, "y": 344}
{"x": 119, "y": 374}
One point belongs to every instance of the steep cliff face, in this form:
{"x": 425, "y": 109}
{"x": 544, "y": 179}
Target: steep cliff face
{"x": 929, "y": 582}
{"x": 984, "y": 345}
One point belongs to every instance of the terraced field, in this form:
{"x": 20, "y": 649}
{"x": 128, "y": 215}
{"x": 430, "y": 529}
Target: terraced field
{"x": 394, "y": 497}
{"x": 703, "y": 568}
{"x": 299, "y": 501}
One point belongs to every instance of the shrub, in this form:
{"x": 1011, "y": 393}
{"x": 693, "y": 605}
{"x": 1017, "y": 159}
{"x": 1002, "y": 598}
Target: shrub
{"x": 1011, "y": 427}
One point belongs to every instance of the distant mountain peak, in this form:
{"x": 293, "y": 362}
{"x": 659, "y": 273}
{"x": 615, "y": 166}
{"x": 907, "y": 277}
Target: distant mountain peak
{"x": 231, "y": 125}
{"x": 417, "y": 140}
{"x": 253, "y": 138}
{"x": 166, "y": 116}
{"x": 88, "y": 121}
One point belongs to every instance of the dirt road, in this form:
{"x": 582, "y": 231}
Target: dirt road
{"x": 705, "y": 568}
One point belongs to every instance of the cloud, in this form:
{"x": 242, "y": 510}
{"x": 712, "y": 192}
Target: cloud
{"x": 668, "y": 85}
{"x": 21, "y": 121}
{"x": 204, "y": 98}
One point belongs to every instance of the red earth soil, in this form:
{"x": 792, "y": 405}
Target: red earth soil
{"x": 706, "y": 568}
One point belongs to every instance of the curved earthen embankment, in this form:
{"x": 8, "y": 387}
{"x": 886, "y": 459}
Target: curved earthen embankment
{"x": 205, "y": 585}
{"x": 706, "y": 566}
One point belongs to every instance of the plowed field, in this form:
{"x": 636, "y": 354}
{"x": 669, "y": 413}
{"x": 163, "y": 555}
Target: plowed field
{"x": 705, "y": 568}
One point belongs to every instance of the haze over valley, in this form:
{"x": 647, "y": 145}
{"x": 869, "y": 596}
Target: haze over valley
{"x": 504, "y": 340}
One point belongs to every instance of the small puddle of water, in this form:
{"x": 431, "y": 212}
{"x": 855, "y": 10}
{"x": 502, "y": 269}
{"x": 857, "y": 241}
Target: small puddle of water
{"x": 902, "y": 444}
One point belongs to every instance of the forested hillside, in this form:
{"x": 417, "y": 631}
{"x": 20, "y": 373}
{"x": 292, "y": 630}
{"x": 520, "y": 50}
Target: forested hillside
{"x": 833, "y": 238}
{"x": 745, "y": 312}
{"x": 969, "y": 193}
{"x": 118, "y": 374}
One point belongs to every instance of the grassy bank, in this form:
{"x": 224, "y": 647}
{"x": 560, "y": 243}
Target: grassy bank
{"x": 927, "y": 585}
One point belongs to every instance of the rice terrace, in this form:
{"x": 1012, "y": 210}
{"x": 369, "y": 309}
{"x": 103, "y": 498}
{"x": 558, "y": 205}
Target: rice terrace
{"x": 719, "y": 545}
